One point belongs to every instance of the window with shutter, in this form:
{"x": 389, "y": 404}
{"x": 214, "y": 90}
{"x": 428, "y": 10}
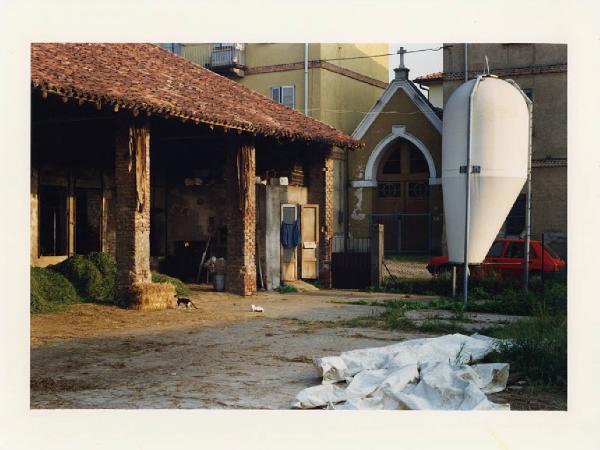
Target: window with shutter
{"x": 276, "y": 94}
{"x": 287, "y": 96}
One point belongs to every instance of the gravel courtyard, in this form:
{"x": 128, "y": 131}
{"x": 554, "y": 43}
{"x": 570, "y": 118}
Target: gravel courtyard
{"x": 220, "y": 355}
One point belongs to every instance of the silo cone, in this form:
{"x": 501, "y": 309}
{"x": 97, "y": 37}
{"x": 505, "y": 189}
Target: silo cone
{"x": 499, "y": 147}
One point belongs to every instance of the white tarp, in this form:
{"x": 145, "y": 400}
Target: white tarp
{"x": 429, "y": 373}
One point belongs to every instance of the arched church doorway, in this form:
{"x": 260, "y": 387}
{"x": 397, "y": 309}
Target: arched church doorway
{"x": 402, "y": 198}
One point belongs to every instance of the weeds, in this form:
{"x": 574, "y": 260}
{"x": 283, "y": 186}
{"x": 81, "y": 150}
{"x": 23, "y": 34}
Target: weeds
{"x": 537, "y": 348}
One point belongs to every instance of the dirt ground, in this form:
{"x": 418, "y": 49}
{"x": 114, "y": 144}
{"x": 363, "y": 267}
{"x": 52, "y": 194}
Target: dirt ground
{"x": 220, "y": 355}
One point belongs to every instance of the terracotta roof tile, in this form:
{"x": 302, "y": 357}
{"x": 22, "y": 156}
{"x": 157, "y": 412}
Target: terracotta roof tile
{"x": 435, "y": 76}
{"x": 145, "y": 77}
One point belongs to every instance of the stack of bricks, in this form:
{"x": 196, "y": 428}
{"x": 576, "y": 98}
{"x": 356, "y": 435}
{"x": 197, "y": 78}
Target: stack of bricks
{"x": 240, "y": 272}
{"x": 133, "y": 219}
{"x": 320, "y": 191}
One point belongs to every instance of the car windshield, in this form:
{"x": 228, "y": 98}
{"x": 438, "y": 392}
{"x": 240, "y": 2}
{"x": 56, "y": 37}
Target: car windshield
{"x": 496, "y": 249}
{"x": 551, "y": 251}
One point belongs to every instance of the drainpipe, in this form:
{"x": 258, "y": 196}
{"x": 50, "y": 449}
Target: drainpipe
{"x": 306, "y": 79}
{"x": 466, "y": 65}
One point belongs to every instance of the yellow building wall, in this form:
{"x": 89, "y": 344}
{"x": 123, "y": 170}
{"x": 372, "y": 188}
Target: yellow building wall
{"x": 344, "y": 101}
{"x": 277, "y": 53}
{"x": 372, "y": 67}
{"x": 335, "y": 99}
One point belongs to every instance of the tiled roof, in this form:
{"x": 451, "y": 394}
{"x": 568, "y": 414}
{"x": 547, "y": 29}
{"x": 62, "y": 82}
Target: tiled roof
{"x": 146, "y": 78}
{"x": 511, "y": 71}
{"x": 435, "y": 76}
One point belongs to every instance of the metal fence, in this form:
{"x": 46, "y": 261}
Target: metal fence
{"x": 351, "y": 263}
{"x": 405, "y": 233}
{"x": 352, "y": 245}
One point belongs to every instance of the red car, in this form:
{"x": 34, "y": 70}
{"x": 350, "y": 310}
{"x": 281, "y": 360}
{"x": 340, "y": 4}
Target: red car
{"x": 506, "y": 257}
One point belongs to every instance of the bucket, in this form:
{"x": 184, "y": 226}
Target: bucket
{"x": 219, "y": 282}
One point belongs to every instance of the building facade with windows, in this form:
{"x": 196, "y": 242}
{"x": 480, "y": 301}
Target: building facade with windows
{"x": 541, "y": 71}
{"x": 343, "y": 81}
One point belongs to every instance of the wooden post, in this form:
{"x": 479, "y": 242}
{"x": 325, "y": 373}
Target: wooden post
{"x": 377, "y": 255}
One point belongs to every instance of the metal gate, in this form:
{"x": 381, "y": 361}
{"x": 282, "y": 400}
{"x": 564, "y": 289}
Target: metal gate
{"x": 405, "y": 233}
{"x": 351, "y": 263}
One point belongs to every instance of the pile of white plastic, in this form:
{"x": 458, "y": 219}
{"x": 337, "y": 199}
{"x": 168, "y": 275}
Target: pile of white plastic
{"x": 431, "y": 373}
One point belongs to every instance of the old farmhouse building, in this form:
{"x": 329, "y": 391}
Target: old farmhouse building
{"x": 142, "y": 154}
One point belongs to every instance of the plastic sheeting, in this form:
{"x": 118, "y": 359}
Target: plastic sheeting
{"x": 430, "y": 373}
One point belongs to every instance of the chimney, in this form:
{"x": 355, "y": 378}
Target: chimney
{"x": 401, "y": 71}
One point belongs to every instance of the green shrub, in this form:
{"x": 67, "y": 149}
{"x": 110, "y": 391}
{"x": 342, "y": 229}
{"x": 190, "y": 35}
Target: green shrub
{"x": 50, "y": 291}
{"x": 92, "y": 275}
{"x": 181, "y": 289}
{"x": 537, "y": 349}
{"x": 286, "y": 288}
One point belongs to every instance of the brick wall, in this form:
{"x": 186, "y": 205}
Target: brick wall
{"x": 320, "y": 191}
{"x": 240, "y": 276}
{"x": 132, "y": 216}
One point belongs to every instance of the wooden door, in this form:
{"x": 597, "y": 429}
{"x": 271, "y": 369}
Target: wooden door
{"x": 310, "y": 241}
{"x": 289, "y": 258}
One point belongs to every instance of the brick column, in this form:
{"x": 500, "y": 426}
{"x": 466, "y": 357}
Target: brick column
{"x": 132, "y": 186}
{"x": 240, "y": 170}
{"x": 320, "y": 191}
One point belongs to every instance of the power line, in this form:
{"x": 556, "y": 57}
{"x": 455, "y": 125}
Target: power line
{"x": 434, "y": 49}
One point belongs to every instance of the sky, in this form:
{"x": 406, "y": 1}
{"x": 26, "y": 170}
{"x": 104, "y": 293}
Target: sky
{"x": 420, "y": 63}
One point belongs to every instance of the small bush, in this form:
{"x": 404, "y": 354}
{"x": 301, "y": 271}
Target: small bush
{"x": 50, "y": 291}
{"x": 181, "y": 289}
{"x": 92, "y": 275}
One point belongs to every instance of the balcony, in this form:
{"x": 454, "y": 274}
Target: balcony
{"x": 227, "y": 58}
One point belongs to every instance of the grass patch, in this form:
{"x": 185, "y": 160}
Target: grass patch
{"x": 50, "y": 291}
{"x": 181, "y": 289}
{"x": 409, "y": 258}
{"x": 489, "y": 295}
{"x": 286, "y": 289}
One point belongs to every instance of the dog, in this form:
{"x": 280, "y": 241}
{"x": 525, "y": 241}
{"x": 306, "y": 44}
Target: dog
{"x": 186, "y": 302}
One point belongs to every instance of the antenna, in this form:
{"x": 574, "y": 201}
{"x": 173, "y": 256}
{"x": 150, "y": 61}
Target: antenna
{"x": 487, "y": 65}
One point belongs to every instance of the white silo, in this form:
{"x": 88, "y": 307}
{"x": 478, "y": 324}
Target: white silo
{"x": 486, "y": 138}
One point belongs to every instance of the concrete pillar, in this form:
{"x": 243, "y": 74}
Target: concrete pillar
{"x": 240, "y": 175}
{"x": 132, "y": 186}
{"x": 320, "y": 191}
